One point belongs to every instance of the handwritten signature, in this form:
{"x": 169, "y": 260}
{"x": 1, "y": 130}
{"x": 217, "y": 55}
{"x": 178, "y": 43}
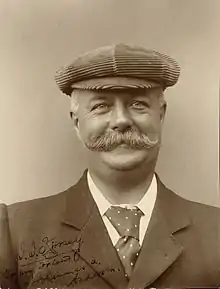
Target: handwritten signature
{"x": 49, "y": 249}
{"x": 76, "y": 278}
{"x": 52, "y": 252}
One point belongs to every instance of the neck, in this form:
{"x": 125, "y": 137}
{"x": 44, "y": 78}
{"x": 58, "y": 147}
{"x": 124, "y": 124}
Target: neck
{"x": 123, "y": 187}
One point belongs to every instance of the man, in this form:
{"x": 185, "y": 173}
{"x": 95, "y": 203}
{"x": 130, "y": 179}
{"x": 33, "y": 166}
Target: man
{"x": 119, "y": 226}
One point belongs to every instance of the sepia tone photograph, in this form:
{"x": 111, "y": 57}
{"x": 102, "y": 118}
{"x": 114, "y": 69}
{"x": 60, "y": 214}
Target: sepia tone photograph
{"x": 109, "y": 144}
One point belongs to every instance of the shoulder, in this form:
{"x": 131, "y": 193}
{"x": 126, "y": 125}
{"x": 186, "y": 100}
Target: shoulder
{"x": 174, "y": 200}
{"x": 202, "y": 216}
{"x": 41, "y": 208}
{"x": 196, "y": 208}
{"x": 205, "y": 217}
{"x": 198, "y": 211}
{"x": 36, "y": 213}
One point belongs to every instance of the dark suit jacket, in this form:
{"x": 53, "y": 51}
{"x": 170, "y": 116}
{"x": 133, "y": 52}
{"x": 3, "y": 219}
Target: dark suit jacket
{"x": 61, "y": 242}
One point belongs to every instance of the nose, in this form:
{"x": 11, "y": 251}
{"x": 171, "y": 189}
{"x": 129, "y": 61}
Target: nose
{"x": 120, "y": 118}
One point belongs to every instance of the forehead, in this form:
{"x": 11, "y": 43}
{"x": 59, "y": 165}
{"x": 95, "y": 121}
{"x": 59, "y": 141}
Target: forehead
{"x": 90, "y": 95}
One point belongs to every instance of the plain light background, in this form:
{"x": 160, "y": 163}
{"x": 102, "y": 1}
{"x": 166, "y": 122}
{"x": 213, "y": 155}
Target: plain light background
{"x": 39, "y": 152}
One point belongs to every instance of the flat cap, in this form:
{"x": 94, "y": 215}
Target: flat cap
{"x": 118, "y": 66}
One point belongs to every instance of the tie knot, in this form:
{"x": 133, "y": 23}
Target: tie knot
{"x": 126, "y": 221}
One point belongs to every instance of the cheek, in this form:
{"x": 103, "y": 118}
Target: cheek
{"x": 91, "y": 126}
{"x": 148, "y": 123}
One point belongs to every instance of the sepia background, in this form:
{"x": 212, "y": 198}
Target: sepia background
{"x": 39, "y": 152}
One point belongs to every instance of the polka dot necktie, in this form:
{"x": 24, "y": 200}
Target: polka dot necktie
{"x": 126, "y": 222}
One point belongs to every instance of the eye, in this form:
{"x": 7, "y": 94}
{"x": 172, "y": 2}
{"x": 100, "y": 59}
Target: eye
{"x": 100, "y": 106}
{"x": 140, "y": 104}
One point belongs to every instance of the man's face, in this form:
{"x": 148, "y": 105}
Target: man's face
{"x": 121, "y": 128}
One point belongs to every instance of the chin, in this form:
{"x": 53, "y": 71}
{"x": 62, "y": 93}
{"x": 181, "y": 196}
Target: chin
{"x": 124, "y": 162}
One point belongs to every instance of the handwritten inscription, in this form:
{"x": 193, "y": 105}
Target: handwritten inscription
{"x": 55, "y": 261}
{"x": 75, "y": 276}
{"x": 50, "y": 248}
{"x": 49, "y": 252}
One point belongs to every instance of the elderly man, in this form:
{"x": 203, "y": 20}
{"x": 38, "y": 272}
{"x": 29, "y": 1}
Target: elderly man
{"x": 119, "y": 226}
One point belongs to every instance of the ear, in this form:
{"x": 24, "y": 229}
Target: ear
{"x": 73, "y": 114}
{"x": 75, "y": 119}
{"x": 163, "y": 110}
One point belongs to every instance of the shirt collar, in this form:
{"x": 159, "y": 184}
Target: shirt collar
{"x": 103, "y": 204}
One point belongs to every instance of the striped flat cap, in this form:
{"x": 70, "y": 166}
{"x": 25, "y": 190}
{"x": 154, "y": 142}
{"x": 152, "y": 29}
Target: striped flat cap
{"x": 118, "y": 66}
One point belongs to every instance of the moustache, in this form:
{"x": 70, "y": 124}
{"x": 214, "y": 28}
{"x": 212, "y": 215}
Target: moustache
{"x": 132, "y": 138}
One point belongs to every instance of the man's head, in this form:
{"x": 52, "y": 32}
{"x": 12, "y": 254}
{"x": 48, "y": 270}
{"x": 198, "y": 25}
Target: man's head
{"x": 117, "y": 103}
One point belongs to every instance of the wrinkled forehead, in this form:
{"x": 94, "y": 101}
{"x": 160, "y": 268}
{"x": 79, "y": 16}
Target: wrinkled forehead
{"x": 84, "y": 95}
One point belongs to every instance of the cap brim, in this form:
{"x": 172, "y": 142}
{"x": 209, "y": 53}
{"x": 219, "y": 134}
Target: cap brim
{"x": 105, "y": 83}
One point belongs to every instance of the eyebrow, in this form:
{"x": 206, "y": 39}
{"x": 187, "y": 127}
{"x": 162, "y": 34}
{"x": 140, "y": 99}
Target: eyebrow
{"x": 99, "y": 97}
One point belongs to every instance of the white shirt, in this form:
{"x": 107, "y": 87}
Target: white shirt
{"x": 146, "y": 205}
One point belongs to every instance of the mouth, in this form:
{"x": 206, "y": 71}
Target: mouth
{"x": 123, "y": 146}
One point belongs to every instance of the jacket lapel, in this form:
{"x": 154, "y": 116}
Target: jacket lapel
{"x": 160, "y": 249}
{"x": 97, "y": 250}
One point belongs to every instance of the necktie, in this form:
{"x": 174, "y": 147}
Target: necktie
{"x": 126, "y": 222}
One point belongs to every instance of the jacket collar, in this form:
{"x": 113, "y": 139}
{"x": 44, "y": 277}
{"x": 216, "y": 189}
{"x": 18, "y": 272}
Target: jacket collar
{"x": 79, "y": 204}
